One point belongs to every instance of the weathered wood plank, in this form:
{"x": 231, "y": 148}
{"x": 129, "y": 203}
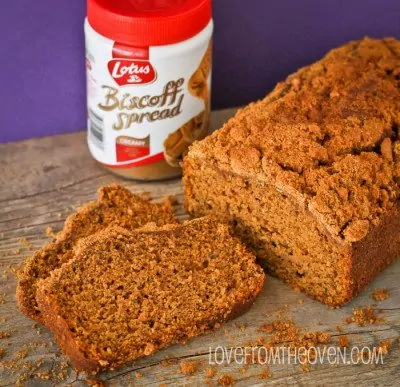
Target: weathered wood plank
{"x": 43, "y": 180}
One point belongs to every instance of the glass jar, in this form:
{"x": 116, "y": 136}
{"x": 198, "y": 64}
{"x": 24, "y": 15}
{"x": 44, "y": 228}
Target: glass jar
{"x": 148, "y": 83}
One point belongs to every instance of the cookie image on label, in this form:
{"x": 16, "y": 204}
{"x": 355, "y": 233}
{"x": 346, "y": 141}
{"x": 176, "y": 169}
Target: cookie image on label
{"x": 198, "y": 82}
{"x": 177, "y": 143}
{"x": 130, "y": 148}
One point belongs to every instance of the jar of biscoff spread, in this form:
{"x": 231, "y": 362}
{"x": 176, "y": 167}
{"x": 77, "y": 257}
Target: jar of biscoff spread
{"x": 148, "y": 83}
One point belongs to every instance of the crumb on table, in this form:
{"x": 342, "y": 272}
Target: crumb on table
{"x": 210, "y": 372}
{"x": 363, "y": 316}
{"x": 226, "y": 380}
{"x": 344, "y": 341}
{"x": 188, "y": 367}
{"x": 380, "y": 294}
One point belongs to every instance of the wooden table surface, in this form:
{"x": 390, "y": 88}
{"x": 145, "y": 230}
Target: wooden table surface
{"x": 42, "y": 180}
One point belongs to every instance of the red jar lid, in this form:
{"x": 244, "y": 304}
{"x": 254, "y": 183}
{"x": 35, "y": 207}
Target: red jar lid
{"x": 148, "y": 22}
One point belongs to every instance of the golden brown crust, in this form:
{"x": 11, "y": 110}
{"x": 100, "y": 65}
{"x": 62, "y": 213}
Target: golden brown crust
{"x": 115, "y": 205}
{"x": 65, "y": 337}
{"x": 189, "y": 302}
{"x": 376, "y": 251}
{"x": 328, "y": 135}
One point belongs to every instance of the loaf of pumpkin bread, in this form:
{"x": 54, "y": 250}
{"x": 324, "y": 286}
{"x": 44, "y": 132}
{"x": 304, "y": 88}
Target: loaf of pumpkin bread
{"x": 310, "y": 175}
{"x": 128, "y": 294}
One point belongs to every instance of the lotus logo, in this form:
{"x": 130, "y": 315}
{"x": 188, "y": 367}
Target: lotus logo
{"x": 131, "y": 71}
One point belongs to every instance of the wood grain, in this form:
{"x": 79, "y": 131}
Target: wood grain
{"x": 43, "y": 180}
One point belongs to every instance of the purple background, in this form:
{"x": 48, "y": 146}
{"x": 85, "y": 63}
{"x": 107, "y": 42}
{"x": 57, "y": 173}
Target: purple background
{"x": 256, "y": 44}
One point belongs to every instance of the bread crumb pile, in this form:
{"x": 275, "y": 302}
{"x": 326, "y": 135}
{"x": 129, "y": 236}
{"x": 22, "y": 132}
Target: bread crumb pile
{"x": 364, "y": 316}
{"x": 266, "y": 374}
{"x": 4, "y": 334}
{"x": 25, "y": 365}
{"x": 226, "y": 380}
{"x": 380, "y": 294}
{"x": 286, "y": 332}
{"x": 344, "y": 341}
{"x": 188, "y": 367}
{"x": 95, "y": 382}
{"x": 211, "y": 372}
{"x": 384, "y": 346}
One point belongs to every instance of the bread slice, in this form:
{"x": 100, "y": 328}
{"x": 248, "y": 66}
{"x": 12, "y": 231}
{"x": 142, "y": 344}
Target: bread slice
{"x": 115, "y": 206}
{"x": 129, "y": 294}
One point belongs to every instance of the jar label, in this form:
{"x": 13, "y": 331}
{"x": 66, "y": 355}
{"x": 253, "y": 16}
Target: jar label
{"x": 145, "y": 104}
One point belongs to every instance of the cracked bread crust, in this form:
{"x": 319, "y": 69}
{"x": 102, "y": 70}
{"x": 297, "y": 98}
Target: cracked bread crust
{"x": 116, "y": 205}
{"x": 128, "y": 294}
{"x": 310, "y": 175}
{"x": 327, "y": 137}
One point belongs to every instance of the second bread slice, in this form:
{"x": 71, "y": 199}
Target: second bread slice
{"x": 116, "y": 205}
{"x": 128, "y": 294}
